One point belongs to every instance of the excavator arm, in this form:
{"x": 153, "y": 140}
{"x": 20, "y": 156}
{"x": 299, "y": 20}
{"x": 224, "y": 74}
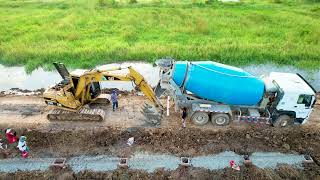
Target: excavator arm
{"x": 78, "y": 91}
{"x": 138, "y": 80}
{"x": 110, "y": 75}
{"x": 152, "y": 112}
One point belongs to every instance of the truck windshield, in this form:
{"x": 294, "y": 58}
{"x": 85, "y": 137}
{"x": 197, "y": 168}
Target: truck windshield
{"x": 305, "y": 99}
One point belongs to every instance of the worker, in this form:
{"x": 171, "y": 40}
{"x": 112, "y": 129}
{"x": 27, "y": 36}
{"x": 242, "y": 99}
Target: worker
{"x": 22, "y": 146}
{"x": 184, "y": 117}
{"x": 11, "y": 136}
{"x": 114, "y": 99}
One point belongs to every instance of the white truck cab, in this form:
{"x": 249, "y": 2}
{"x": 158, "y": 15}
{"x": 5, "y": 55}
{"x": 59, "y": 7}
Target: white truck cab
{"x": 296, "y": 96}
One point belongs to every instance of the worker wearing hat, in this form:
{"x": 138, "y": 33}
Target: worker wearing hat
{"x": 22, "y": 145}
{"x": 11, "y": 136}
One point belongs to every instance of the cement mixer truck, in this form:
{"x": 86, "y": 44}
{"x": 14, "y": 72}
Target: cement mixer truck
{"x": 220, "y": 93}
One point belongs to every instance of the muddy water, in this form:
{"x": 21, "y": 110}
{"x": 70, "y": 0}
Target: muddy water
{"x": 16, "y": 77}
{"x": 150, "y": 162}
{"x": 313, "y": 77}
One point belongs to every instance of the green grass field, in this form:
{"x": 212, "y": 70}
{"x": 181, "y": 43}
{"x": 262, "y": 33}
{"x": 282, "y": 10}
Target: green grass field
{"x": 83, "y": 33}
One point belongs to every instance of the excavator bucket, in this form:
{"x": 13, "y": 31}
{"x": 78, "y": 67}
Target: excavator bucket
{"x": 152, "y": 114}
{"x": 63, "y": 71}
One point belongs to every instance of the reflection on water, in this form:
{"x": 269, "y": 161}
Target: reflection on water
{"x": 16, "y": 77}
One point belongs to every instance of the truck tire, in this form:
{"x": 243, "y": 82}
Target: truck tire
{"x": 220, "y": 119}
{"x": 200, "y": 118}
{"x": 283, "y": 121}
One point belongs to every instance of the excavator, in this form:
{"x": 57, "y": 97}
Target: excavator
{"x": 76, "y": 97}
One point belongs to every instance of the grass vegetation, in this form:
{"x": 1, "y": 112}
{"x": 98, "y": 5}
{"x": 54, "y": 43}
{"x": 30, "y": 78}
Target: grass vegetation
{"x": 83, "y": 33}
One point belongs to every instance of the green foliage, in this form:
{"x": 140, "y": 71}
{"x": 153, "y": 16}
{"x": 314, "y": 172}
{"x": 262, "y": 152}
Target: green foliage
{"x": 276, "y": 1}
{"x": 103, "y": 3}
{"x": 133, "y": 1}
{"x": 84, "y": 33}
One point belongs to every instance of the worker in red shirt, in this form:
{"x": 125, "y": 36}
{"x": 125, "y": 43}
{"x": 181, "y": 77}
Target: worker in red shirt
{"x": 11, "y": 136}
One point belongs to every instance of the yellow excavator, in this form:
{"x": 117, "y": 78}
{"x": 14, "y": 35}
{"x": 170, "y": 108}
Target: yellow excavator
{"x": 75, "y": 96}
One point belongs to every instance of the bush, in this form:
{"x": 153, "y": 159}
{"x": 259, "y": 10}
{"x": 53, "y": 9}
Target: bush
{"x": 277, "y": 1}
{"x": 210, "y": 1}
{"x": 133, "y": 1}
{"x": 103, "y": 3}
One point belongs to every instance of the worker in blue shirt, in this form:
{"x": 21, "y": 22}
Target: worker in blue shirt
{"x": 114, "y": 100}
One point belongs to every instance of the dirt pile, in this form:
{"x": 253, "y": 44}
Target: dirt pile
{"x": 22, "y": 92}
{"x": 109, "y": 91}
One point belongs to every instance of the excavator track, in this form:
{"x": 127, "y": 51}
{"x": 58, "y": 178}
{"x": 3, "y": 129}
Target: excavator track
{"x": 84, "y": 114}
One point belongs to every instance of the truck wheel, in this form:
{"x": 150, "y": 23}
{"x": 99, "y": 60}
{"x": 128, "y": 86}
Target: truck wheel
{"x": 283, "y": 121}
{"x": 220, "y": 119}
{"x": 200, "y": 118}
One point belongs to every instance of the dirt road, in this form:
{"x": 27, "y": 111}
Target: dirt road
{"x": 31, "y": 111}
{"x": 27, "y": 114}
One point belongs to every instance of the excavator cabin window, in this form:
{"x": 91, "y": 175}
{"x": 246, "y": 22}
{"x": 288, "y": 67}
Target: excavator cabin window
{"x": 75, "y": 84}
{"x": 95, "y": 89}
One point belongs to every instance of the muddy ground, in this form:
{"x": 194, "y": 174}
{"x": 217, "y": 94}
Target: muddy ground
{"x": 247, "y": 172}
{"x": 27, "y": 114}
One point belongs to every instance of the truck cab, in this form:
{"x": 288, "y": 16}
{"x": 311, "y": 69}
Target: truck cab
{"x": 295, "y": 96}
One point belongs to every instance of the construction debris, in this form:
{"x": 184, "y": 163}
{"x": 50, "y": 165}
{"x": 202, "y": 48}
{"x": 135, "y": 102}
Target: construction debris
{"x": 130, "y": 141}
{"x": 234, "y": 166}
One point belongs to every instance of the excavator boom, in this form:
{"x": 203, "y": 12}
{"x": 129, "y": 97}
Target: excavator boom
{"x": 72, "y": 96}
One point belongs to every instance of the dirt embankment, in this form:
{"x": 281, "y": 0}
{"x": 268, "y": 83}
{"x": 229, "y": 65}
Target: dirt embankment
{"x": 310, "y": 171}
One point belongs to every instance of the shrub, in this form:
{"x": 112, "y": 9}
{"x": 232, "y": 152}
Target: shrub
{"x": 103, "y": 3}
{"x": 133, "y": 1}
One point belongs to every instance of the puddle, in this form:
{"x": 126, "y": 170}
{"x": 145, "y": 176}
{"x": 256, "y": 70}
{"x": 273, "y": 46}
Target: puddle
{"x": 16, "y": 77}
{"x": 150, "y": 162}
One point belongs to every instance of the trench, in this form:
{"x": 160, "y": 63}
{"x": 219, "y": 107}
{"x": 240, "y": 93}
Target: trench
{"x": 149, "y": 162}
{"x": 16, "y": 77}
